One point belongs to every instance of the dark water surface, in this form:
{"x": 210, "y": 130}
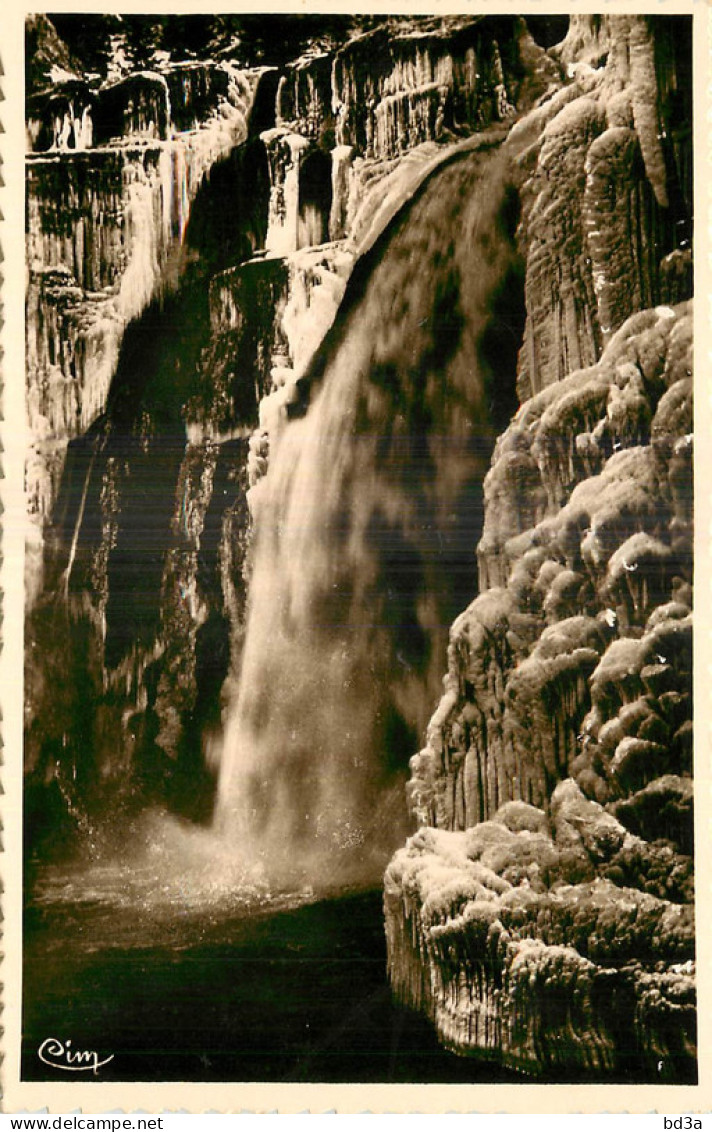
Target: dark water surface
{"x": 297, "y": 994}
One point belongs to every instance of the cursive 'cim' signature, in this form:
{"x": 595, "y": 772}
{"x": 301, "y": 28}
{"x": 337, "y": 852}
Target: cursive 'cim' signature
{"x": 60, "y": 1055}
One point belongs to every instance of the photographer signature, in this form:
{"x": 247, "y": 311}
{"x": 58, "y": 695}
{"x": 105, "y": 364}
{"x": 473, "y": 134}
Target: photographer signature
{"x": 60, "y": 1055}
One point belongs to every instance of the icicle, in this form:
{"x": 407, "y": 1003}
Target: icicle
{"x": 78, "y": 524}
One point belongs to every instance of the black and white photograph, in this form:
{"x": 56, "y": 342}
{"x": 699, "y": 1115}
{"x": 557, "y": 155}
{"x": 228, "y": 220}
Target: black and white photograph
{"x": 357, "y": 578}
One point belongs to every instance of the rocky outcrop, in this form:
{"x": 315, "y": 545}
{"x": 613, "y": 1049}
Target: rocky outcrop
{"x": 105, "y": 224}
{"x": 556, "y": 783}
{"x": 385, "y": 94}
{"x": 585, "y": 565}
{"x": 408, "y": 82}
{"x": 524, "y": 942}
{"x": 572, "y": 667}
{"x": 48, "y": 57}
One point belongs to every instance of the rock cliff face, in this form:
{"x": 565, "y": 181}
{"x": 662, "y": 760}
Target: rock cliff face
{"x": 555, "y": 787}
{"x": 247, "y": 284}
{"x": 110, "y": 182}
{"x": 191, "y": 230}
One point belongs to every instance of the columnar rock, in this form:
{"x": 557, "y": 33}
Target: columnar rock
{"x": 609, "y": 157}
{"x": 556, "y": 780}
{"x": 567, "y": 714}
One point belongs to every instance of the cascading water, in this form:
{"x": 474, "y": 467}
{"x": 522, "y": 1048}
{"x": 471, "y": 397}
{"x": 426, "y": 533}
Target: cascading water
{"x": 366, "y": 527}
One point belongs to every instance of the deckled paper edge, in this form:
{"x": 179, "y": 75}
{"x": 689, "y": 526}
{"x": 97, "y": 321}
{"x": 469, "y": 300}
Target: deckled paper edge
{"x": 91, "y": 1097}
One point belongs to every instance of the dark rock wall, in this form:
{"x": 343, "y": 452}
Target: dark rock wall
{"x": 131, "y": 433}
{"x": 105, "y": 227}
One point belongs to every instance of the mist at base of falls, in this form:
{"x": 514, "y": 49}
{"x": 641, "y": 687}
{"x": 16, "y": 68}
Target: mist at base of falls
{"x": 366, "y": 529}
{"x": 164, "y": 880}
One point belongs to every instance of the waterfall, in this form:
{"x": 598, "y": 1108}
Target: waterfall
{"x": 366, "y": 528}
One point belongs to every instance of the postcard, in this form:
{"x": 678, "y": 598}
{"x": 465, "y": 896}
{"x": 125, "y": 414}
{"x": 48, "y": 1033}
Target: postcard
{"x": 350, "y": 541}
